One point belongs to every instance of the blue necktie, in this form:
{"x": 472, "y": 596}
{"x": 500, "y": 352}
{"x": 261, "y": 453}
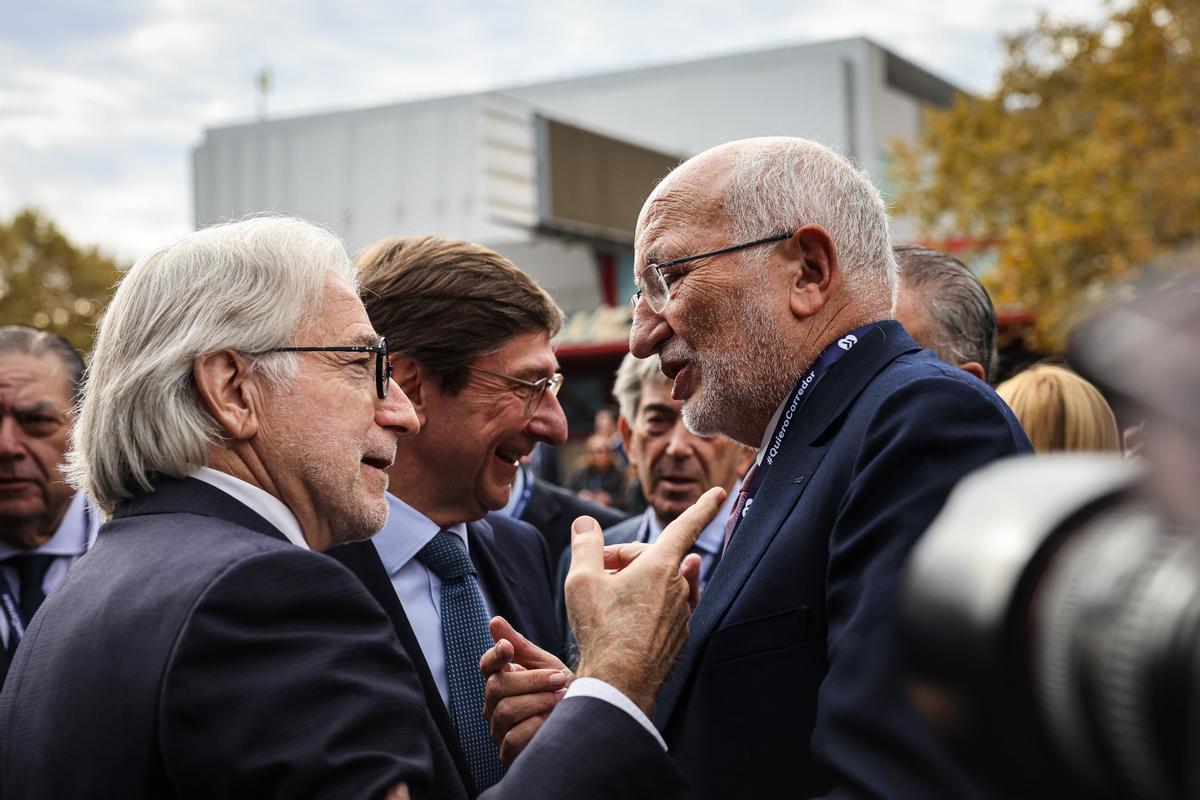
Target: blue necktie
{"x": 466, "y": 638}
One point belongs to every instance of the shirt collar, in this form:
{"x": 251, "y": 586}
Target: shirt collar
{"x": 712, "y": 538}
{"x": 74, "y": 533}
{"x": 258, "y": 500}
{"x": 406, "y": 532}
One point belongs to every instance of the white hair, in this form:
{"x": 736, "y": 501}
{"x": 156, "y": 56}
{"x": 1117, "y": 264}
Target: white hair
{"x": 777, "y": 184}
{"x": 633, "y": 376}
{"x": 246, "y": 286}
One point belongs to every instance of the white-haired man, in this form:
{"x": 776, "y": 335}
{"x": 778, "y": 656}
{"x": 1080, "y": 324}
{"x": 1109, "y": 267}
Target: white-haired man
{"x": 767, "y": 285}
{"x": 237, "y": 415}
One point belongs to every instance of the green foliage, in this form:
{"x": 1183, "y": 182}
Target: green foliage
{"x": 48, "y": 283}
{"x": 1083, "y": 166}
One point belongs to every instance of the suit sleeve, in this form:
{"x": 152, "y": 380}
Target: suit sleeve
{"x": 923, "y": 439}
{"x": 287, "y": 682}
{"x": 589, "y": 748}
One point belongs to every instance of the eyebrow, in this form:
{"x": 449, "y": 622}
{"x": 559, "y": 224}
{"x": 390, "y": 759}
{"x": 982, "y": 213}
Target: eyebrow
{"x": 659, "y": 408}
{"x": 366, "y": 339}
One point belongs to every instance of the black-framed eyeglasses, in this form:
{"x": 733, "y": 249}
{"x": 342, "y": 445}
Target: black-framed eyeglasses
{"x": 653, "y": 286}
{"x": 383, "y": 367}
{"x": 531, "y": 391}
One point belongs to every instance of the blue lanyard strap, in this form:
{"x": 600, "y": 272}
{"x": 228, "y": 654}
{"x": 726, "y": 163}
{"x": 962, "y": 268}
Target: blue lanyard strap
{"x": 829, "y": 356}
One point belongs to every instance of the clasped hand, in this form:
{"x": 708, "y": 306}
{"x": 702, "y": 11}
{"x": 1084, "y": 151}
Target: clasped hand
{"x": 628, "y": 604}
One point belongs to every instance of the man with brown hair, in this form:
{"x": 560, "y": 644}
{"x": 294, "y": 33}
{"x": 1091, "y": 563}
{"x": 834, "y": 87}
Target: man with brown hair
{"x": 471, "y": 349}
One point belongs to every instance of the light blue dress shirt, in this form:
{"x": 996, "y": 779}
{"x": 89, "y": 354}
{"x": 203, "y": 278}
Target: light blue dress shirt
{"x": 419, "y": 590}
{"x": 711, "y": 539}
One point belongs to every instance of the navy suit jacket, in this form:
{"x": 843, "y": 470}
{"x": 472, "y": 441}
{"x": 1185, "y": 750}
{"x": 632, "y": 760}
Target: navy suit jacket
{"x": 791, "y": 682}
{"x": 513, "y": 565}
{"x": 194, "y": 652}
{"x": 552, "y": 509}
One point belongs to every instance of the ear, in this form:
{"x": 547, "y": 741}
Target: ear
{"x": 415, "y": 381}
{"x": 626, "y": 432}
{"x": 745, "y": 459}
{"x": 229, "y": 392}
{"x": 815, "y": 272}
{"x": 975, "y": 368}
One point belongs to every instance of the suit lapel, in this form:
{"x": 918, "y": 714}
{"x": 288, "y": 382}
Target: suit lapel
{"x": 783, "y": 485}
{"x": 496, "y": 573}
{"x": 363, "y": 560}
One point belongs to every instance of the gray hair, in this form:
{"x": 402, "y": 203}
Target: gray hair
{"x": 958, "y": 311}
{"x": 633, "y": 376}
{"x": 246, "y": 286}
{"x": 28, "y": 341}
{"x": 779, "y": 183}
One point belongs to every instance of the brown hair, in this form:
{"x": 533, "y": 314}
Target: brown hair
{"x": 446, "y": 302}
{"x": 1060, "y": 410}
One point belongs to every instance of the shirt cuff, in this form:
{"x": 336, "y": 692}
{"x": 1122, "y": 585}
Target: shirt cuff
{"x": 594, "y": 687}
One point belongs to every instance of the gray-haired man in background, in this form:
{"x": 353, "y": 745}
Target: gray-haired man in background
{"x": 45, "y": 526}
{"x": 945, "y": 308}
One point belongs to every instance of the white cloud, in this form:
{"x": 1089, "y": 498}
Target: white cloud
{"x": 100, "y": 104}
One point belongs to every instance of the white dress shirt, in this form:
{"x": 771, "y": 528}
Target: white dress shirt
{"x": 260, "y": 501}
{"x": 74, "y": 535}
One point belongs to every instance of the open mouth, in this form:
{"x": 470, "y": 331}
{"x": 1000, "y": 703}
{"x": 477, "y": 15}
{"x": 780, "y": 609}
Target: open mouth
{"x": 377, "y": 462}
{"x": 511, "y": 456}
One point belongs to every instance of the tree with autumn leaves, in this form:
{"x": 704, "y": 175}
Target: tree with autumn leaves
{"x": 1080, "y": 169}
{"x": 50, "y": 284}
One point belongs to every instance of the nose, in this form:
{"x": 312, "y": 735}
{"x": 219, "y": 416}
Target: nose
{"x": 649, "y": 331}
{"x": 680, "y": 443}
{"x": 548, "y": 423}
{"x": 11, "y": 439}
{"x": 396, "y": 413}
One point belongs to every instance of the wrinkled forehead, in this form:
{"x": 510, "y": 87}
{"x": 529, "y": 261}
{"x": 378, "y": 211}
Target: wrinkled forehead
{"x": 691, "y": 197}
{"x": 34, "y": 377}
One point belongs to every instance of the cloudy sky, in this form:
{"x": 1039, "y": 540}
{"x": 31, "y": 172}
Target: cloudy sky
{"x": 102, "y": 102}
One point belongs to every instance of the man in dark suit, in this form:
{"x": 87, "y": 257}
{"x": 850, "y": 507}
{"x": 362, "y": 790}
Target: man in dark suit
{"x": 239, "y": 414}
{"x": 551, "y": 509}
{"x": 471, "y": 336}
{"x": 45, "y": 526}
{"x": 767, "y": 285}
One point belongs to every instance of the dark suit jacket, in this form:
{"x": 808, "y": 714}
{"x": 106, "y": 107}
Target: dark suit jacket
{"x": 790, "y": 682}
{"x": 514, "y": 568}
{"x": 196, "y": 653}
{"x": 551, "y": 509}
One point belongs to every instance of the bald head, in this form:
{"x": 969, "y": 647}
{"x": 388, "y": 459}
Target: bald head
{"x": 772, "y": 184}
{"x": 779, "y": 245}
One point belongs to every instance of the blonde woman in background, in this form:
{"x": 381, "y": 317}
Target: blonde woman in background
{"x": 1060, "y": 410}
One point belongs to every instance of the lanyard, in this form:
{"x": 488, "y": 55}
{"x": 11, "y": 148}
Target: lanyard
{"x": 829, "y": 356}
